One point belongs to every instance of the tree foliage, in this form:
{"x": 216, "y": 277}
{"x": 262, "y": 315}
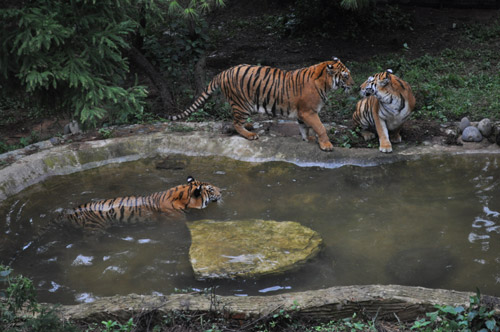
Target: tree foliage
{"x": 73, "y": 53}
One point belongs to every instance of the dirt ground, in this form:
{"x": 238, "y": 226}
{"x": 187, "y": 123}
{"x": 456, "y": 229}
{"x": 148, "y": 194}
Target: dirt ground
{"x": 432, "y": 31}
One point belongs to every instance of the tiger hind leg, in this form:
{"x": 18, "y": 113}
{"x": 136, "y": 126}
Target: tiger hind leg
{"x": 368, "y": 135}
{"x": 240, "y": 123}
{"x": 395, "y": 137}
{"x": 306, "y": 132}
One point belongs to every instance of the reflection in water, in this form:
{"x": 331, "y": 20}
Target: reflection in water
{"x": 432, "y": 222}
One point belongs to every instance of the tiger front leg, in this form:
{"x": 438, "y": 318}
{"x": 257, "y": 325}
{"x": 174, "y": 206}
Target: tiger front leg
{"x": 382, "y": 132}
{"x": 311, "y": 119}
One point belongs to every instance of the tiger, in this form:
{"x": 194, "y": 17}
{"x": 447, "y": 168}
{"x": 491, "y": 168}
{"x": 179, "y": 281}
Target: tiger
{"x": 299, "y": 94}
{"x": 388, "y": 102}
{"x": 100, "y": 215}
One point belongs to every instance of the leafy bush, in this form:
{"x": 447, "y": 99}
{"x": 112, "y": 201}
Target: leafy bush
{"x": 448, "y": 318}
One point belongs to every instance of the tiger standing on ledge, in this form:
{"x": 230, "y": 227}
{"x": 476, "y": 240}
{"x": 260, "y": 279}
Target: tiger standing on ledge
{"x": 299, "y": 93}
{"x": 388, "y": 103}
{"x": 99, "y": 215}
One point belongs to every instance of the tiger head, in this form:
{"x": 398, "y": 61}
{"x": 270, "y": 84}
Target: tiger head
{"x": 378, "y": 85}
{"x": 201, "y": 193}
{"x": 341, "y": 75}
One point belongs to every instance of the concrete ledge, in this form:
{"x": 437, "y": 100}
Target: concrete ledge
{"x": 42, "y": 160}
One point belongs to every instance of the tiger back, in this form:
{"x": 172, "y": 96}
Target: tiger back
{"x": 103, "y": 214}
{"x": 299, "y": 94}
{"x": 388, "y": 102}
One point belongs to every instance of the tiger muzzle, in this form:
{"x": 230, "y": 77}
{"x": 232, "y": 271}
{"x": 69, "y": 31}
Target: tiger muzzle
{"x": 368, "y": 92}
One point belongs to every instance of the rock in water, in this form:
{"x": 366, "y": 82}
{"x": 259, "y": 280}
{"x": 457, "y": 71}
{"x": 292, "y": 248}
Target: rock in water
{"x": 249, "y": 248}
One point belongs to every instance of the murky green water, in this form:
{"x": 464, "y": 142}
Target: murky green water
{"x": 432, "y": 222}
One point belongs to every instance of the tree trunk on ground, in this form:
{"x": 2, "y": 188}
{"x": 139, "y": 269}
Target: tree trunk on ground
{"x": 142, "y": 62}
{"x": 390, "y": 302}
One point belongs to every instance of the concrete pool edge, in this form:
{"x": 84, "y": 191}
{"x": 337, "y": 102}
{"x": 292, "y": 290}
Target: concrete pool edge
{"x": 42, "y": 160}
{"x": 386, "y": 302}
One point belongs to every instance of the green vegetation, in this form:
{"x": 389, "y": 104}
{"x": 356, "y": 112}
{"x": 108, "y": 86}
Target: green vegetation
{"x": 457, "y": 82}
{"x": 70, "y": 55}
{"x": 20, "y": 311}
{"x": 448, "y": 318}
{"x": 73, "y": 57}
{"x": 92, "y": 60}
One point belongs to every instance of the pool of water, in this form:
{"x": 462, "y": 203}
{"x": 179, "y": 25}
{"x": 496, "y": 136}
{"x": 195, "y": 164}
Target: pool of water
{"x": 432, "y": 222}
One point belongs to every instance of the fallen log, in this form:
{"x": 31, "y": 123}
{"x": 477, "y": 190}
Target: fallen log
{"x": 389, "y": 302}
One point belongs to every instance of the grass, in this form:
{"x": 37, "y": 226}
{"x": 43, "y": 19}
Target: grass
{"x": 446, "y": 86}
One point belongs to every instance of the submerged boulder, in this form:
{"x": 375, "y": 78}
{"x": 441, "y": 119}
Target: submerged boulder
{"x": 249, "y": 248}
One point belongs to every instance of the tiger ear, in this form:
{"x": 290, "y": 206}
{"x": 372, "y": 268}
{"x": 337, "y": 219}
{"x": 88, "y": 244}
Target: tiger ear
{"x": 190, "y": 179}
{"x": 334, "y": 58}
{"x": 197, "y": 191}
{"x": 384, "y": 82}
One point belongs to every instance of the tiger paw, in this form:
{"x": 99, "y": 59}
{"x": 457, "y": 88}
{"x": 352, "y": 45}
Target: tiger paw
{"x": 367, "y": 135}
{"x": 385, "y": 148}
{"x": 251, "y": 136}
{"x": 396, "y": 138}
{"x": 326, "y": 146}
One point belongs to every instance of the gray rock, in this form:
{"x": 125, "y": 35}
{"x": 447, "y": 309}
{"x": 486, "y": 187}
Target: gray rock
{"x": 66, "y": 130}
{"x": 74, "y": 128}
{"x": 55, "y": 140}
{"x": 249, "y": 248}
{"x": 485, "y": 127}
{"x": 464, "y": 123}
{"x": 471, "y": 134}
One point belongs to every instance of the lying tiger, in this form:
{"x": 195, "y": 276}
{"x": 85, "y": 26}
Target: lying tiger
{"x": 388, "y": 103}
{"x": 297, "y": 94}
{"x": 103, "y": 214}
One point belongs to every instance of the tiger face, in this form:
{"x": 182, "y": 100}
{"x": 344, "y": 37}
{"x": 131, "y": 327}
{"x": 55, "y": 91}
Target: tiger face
{"x": 202, "y": 194}
{"x": 379, "y": 86}
{"x": 341, "y": 75}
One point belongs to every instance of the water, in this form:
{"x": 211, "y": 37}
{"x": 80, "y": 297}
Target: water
{"x": 433, "y": 222}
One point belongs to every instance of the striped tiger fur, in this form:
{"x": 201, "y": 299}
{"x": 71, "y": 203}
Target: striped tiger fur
{"x": 102, "y": 214}
{"x": 297, "y": 94}
{"x": 388, "y": 102}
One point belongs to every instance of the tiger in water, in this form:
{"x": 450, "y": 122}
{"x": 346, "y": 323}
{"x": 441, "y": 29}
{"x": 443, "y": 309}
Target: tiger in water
{"x": 388, "y": 102}
{"x": 299, "y": 94}
{"x": 102, "y": 214}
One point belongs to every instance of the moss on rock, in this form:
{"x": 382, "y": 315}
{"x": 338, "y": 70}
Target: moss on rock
{"x": 249, "y": 248}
